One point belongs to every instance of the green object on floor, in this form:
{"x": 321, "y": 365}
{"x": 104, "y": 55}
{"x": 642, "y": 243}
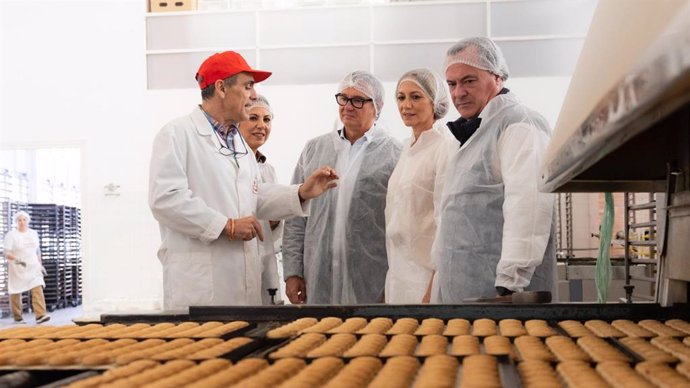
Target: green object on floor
{"x": 603, "y": 268}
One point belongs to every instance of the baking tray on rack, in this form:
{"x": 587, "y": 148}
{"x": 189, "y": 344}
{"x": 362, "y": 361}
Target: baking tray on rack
{"x": 85, "y": 337}
{"x": 552, "y": 312}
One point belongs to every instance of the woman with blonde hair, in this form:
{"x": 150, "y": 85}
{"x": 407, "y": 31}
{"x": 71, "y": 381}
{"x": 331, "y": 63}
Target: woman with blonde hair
{"x": 414, "y": 189}
{"x": 255, "y": 132}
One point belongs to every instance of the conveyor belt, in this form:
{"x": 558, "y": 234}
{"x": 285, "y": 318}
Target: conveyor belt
{"x": 651, "y": 342}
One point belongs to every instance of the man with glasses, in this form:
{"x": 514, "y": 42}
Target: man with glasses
{"x": 337, "y": 255}
{"x": 205, "y": 192}
{"x": 495, "y": 233}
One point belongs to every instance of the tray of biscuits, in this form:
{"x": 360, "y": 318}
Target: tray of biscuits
{"x": 164, "y": 330}
{"x": 359, "y": 326}
{"x": 101, "y": 353}
{"x": 354, "y": 348}
{"x": 531, "y": 350}
{"x": 401, "y": 371}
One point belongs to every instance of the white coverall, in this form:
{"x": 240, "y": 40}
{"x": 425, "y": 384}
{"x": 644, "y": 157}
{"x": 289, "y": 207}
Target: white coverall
{"x": 496, "y": 228}
{"x": 340, "y": 249}
{"x": 270, "y": 246}
{"x": 412, "y": 204}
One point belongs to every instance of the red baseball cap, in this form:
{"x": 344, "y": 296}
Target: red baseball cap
{"x": 224, "y": 65}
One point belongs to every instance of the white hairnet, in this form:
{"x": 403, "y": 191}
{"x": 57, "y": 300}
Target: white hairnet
{"x": 367, "y": 83}
{"x": 21, "y": 213}
{"x": 479, "y": 52}
{"x": 260, "y": 102}
{"x": 433, "y": 86}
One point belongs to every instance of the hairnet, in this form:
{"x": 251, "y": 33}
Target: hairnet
{"x": 21, "y": 213}
{"x": 367, "y": 83}
{"x": 478, "y": 52}
{"x": 433, "y": 86}
{"x": 260, "y": 102}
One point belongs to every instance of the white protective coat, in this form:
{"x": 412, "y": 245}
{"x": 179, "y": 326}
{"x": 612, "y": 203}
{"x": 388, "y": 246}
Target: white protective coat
{"x": 340, "y": 250}
{"x": 193, "y": 190}
{"x": 412, "y": 209}
{"x": 24, "y": 245}
{"x": 270, "y": 246}
{"x": 496, "y": 228}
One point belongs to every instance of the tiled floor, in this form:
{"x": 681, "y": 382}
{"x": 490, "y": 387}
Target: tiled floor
{"x": 57, "y": 318}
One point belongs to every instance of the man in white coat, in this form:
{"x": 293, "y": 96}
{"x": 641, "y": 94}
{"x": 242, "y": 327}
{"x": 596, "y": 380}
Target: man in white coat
{"x": 205, "y": 192}
{"x": 495, "y": 234}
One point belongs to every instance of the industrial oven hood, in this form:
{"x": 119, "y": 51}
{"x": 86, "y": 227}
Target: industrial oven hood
{"x": 635, "y": 137}
{"x": 637, "y": 132}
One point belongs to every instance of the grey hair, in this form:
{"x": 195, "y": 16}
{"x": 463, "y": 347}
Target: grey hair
{"x": 207, "y": 92}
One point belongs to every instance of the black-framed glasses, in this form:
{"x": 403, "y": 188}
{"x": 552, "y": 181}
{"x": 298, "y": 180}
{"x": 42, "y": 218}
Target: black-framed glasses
{"x": 356, "y": 102}
{"x": 231, "y": 148}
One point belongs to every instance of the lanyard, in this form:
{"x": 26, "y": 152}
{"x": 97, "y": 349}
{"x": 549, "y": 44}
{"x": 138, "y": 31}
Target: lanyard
{"x": 229, "y": 140}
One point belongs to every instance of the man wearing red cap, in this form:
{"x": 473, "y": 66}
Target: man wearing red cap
{"x": 204, "y": 191}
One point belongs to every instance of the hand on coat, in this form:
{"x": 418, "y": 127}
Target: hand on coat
{"x": 427, "y": 295}
{"x": 296, "y": 290}
{"x": 246, "y": 228}
{"x": 318, "y": 183}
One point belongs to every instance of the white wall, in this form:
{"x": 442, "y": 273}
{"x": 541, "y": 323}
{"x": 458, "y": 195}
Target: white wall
{"x": 73, "y": 73}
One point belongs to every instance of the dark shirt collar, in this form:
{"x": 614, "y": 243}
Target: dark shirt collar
{"x": 463, "y": 128}
{"x": 260, "y": 158}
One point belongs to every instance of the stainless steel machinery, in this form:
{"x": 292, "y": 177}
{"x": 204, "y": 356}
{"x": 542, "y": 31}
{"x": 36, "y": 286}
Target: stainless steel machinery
{"x": 637, "y": 139}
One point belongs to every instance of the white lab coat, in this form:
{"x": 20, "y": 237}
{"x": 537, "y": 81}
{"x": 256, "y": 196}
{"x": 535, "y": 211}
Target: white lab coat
{"x": 193, "y": 190}
{"x": 270, "y": 246}
{"x": 412, "y": 209}
{"x": 25, "y": 246}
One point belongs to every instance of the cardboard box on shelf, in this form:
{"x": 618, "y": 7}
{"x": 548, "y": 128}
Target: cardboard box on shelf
{"x": 172, "y": 5}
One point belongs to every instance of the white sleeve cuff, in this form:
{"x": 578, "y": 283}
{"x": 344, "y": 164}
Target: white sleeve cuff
{"x": 300, "y": 209}
{"x": 513, "y": 276}
{"x": 214, "y": 229}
